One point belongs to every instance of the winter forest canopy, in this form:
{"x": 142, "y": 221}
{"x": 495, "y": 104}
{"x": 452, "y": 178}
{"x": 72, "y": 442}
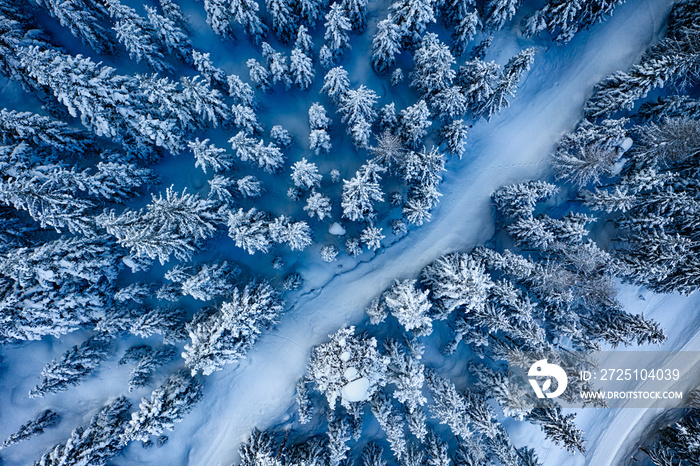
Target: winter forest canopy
{"x": 181, "y": 179}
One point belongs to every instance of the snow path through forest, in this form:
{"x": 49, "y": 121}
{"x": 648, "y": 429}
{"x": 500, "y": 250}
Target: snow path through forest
{"x": 512, "y": 147}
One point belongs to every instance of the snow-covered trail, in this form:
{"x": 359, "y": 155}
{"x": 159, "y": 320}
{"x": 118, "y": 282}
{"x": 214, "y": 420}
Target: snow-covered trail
{"x": 513, "y": 147}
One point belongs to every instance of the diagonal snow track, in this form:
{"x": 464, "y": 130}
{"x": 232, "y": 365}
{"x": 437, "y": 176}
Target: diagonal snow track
{"x": 513, "y": 147}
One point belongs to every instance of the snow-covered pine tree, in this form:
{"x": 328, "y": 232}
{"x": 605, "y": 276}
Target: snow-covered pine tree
{"x": 305, "y": 175}
{"x": 669, "y": 107}
{"x": 513, "y": 72}
{"x": 219, "y": 16}
{"x": 357, "y": 105}
{"x": 206, "y": 283}
{"x": 377, "y": 311}
{"x": 356, "y": 11}
{"x": 84, "y": 21}
{"x": 284, "y": 19}
{"x": 432, "y": 66}
{"x": 412, "y": 17}
{"x": 399, "y": 227}
{"x": 293, "y": 282}
{"x": 391, "y": 423}
{"x": 498, "y": 12}
{"x": 303, "y": 401}
{"x": 558, "y": 427}
{"x": 226, "y": 335}
{"x": 336, "y": 36}
{"x": 297, "y": 235}
{"x": 215, "y": 77}
{"x": 92, "y": 91}
{"x": 173, "y": 224}
{"x": 449, "y": 405}
{"x": 410, "y": 306}
{"x": 397, "y": 77}
{"x": 245, "y": 118}
{"x": 669, "y": 59}
{"x": 165, "y": 95}
{"x": 172, "y": 11}
{"x": 464, "y": 32}
{"x": 64, "y": 261}
{"x": 250, "y": 230}
{"x": 269, "y": 158}
{"x": 457, "y": 280}
{"x": 450, "y": 103}
{"x": 564, "y": 18}
{"x": 318, "y": 205}
{"x": 147, "y": 360}
{"x": 280, "y": 136}
{"x": 36, "y": 426}
{"x": 245, "y": 13}
{"x": 301, "y": 69}
{"x": 74, "y": 366}
{"x": 50, "y": 203}
{"x": 519, "y": 200}
{"x": 372, "y": 455}
{"x": 414, "y": 123}
{"x": 387, "y": 118}
{"x": 137, "y": 35}
{"x": 338, "y": 433}
{"x": 249, "y": 186}
{"x": 304, "y": 42}
{"x": 277, "y": 65}
{"x": 437, "y": 451}
{"x": 353, "y": 247}
{"x": 62, "y": 309}
{"x": 336, "y": 84}
{"x": 318, "y": 118}
{"x": 240, "y": 91}
{"x": 204, "y": 101}
{"x": 590, "y": 153}
{"x": 479, "y": 81}
{"x": 329, "y": 253}
{"x": 309, "y": 11}
{"x": 96, "y": 443}
{"x": 372, "y": 237}
{"x": 42, "y": 133}
{"x": 168, "y": 322}
{"x": 258, "y": 74}
{"x": 406, "y": 373}
{"x": 167, "y": 406}
{"x": 222, "y": 190}
{"x": 415, "y": 455}
{"x": 454, "y": 136}
{"x": 259, "y": 450}
{"x": 389, "y": 151}
{"x": 208, "y": 155}
{"x": 677, "y": 442}
{"x": 348, "y": 367}
{"x": 385, "y": 45}
{"x": 170, "y": 34}
{"x": 360, "y": 193}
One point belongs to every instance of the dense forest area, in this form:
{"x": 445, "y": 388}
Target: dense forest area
{"x": 175, "y": 174}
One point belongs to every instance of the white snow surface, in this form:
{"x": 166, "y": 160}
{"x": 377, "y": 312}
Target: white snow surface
{"x": 513, "y": 147}
{"x": 336, "y": 229}
{"x": 355, "y": 391}
{"x": 350, "y": 373}
{"x": 626, "y": 144}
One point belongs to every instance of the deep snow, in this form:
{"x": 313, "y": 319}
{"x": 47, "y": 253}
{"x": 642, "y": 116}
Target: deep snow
{"x": 513, "y": 147}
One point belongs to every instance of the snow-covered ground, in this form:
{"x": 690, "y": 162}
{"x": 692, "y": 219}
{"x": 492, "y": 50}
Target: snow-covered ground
{"x": 514, "y": 146}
